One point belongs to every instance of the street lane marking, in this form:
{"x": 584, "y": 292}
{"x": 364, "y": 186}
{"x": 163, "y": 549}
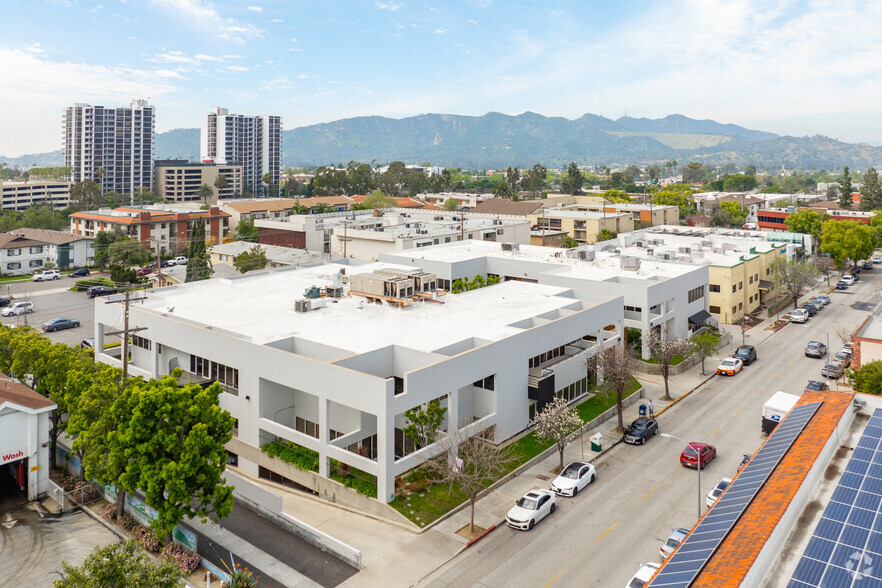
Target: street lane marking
{"x": 605, "y": 532}
{"x": 778, "y": 375}
{"x": 554, "y": 579}
{"x": 714, "y": 434}
{"x": 737, "y": 412}
{"x": 651, "y": 491}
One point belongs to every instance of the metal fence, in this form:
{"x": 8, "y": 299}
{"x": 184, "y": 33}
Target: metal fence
{"x": 70, "y": 499}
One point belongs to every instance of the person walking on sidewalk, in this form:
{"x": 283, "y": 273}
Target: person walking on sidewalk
{"x": 651, "y": 409}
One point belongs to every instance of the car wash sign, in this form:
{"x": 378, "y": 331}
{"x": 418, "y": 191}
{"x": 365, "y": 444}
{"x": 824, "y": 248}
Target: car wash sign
{"x": 8, "y": 455}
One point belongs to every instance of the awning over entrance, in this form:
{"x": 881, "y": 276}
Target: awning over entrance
{"x": 766, "y": 285}
{"x": 699, "y": 317}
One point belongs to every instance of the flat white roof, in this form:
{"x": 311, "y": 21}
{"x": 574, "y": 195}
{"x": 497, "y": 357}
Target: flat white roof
{"x": 563, "y": 213}
{"x": 261, "y": 306}
{"x": 727, "y": 247}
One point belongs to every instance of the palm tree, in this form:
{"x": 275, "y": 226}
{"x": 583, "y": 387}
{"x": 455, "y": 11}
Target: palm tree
{"x": 221, "y": 183}
{"x": 267, "y": 179}
{"x": 101, "y": 172}
{"x": 320, "y": 208}
{"x": 205, "y": 192}
{"x": 299, "y": 208}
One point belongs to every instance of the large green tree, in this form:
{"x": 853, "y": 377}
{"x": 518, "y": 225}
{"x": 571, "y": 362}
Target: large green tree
{"x": 845, "y": 189}
{"x": 127, "y": 252}
{"x": 198, "y": 262}
{"x": 806, "y": 221}
{"x": 868, "y": 379}
{"x": 253, "y": 259}
{"x": 571, "y": 182}
{"x": 792, "y": 276}
{"x": 848, "y": 239}
{"x": 679, "y": 195}
{"x": 85, "y": 195}
{"x": 120, "y": 565}
{"x": 617, "y": 196}
{"x": 871, "y": 191}
{"x": 246, "y": 231}
{"x": 739, "y": 183}
{"x": 536, "y": 179}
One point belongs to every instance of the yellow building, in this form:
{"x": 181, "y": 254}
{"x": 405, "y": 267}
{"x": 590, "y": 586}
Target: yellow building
{"x": 582, "y": 226}
{"x": 179, "y": 180}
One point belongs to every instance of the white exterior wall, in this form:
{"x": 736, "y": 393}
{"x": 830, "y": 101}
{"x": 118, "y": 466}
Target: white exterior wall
{"x": 24, "y": 433}
{"x": 27, "y": 259}
{"x": 337, "y": 389}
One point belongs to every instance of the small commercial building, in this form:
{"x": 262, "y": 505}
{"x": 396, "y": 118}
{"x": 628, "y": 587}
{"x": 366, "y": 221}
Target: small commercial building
{"x": 644, "y": 215}
{"x": 281, "y": 208}
{"x": 24, "y": 442}
{"x": 583, "y": 226}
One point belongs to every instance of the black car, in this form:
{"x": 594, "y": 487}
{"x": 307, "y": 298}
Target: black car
{"x": 744, "y": 461}
{"x": 96, "y": 291}
{"x": 810, "y": 308}
{"x": 58, "y": 324}
{"x": 746, "y": 353}
{"x": 640, "y": 430}
{"x": 5, "y": 302}
{"x": 816, "y": 386}
{"x": 840, "y": 285}
{"x": 868, "y": 265}
{"x": 80, "y": 273}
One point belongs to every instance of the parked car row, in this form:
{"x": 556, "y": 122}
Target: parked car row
{"x": 537, "y": 504}
{"x": 744, "y": 355}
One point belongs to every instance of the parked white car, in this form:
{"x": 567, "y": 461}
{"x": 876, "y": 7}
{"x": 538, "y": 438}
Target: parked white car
{"x": 17, "y": 308}
{"x": 848, "y": 279}
{"x": 573, "y": 478}
{"x": 531, "y": 508}
{"x": 717, "y": 491}
{"x": 51, "y": 274}
{"x": 800, "y": 315}
{"x": 643, "y": 575}
{"x": 179, "y": 260}
{"x": 677, "y": 536}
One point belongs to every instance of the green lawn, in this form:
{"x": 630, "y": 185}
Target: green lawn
{"x": 422, "y": 502}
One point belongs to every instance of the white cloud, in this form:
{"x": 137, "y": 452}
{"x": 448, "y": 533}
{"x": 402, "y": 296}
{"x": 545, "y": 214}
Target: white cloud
{"x": 204, "y": 57}
{"x": 256, "y": 8}
{"x": 388, "y": 6}
{"x": 171, "y": 57}
{"x": 199, "y": 13}
{"x": 294, "y": 40}
{"x": 277, "y": 20}
{"x": 441, "y": 31}
{"x": 44, "y": 87}
{"x": 237, "y": 68}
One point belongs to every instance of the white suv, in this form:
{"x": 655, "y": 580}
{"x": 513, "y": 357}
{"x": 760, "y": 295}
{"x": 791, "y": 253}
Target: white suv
{"x": 800, "y": 315}
{"x": 18, "y": 308}
{"x": 52, "y": 274}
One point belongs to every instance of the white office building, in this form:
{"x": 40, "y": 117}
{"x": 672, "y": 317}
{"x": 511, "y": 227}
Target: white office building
{"x": 331, "y": 361}
{"x": 669, "y": 297}
{"x": 253, "y": 142}
{"x": 119, "y": 140}
{"x": 22, "y": 195}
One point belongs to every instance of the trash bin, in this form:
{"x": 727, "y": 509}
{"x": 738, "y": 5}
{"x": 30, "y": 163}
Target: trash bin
{"x": 597, "y": 442}
{"x": 642, "y": 410}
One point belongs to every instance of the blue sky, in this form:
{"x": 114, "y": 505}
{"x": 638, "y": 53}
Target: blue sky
{"x": 791, "y": 67}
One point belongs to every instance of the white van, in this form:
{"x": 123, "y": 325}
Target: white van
{"x": 800, "y": 315}
{"x": 18, "y": 308}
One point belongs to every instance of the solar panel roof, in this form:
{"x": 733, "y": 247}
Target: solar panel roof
{"x": 846, "y": 547}
{"x": 685, "y": 564}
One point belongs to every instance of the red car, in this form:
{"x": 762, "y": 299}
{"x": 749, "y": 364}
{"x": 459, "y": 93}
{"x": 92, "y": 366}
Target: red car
{"x": 689, "y": 457}
{"x": 145, "y": 271}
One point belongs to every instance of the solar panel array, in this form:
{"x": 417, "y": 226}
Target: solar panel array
{"x": 846, "y": 547}
{"x": 685, "y": 564}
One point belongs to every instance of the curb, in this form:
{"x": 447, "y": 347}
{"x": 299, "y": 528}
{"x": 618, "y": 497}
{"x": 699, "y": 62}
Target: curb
{"x": 676, "y": 400}
{"x": 486, "y": 532}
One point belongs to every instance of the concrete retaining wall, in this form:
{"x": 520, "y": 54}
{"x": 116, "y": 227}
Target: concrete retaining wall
{"x": 270, "y": 506}
{"x": 652, "y": 369}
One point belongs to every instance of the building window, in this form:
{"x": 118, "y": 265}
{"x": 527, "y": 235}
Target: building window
{"x": 141, "y": 342}
{"x": 734, "y": 288}
{"x": 755, "y": 277}
{"x": 488, "y": 383}
{"x": 215, "y": 371}
{"x": 714, "y": 309}
{"x": 38, "y": 249}
{"x": 740, "y": 306}
{"x": 734, "y": 309}
{"x": 13, "y": 252}
{"x": 750, "y": 280}
{"x": 547, "y": 356}
{"x": 636, "y": 309}
{"x": 307, "y": 427}
{"x": 574, "y": 390}
{"x": 35, "y": 263}
{"x": 740, "y": 285}
{"x": 13, "y": 266}
{"x": 696, "y": 294}
{"x": 714, "y": 287}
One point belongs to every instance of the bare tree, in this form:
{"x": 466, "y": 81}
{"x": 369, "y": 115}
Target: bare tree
{"x": 555, "y": 423}
{"x": 846, "y": 332}
{"x": 468, "y": 463}
{"x": 616, "y": 364}
{"x": 826, "y": 266}
{"x": 793, "y": 276}
{"x": 665, "y": 350}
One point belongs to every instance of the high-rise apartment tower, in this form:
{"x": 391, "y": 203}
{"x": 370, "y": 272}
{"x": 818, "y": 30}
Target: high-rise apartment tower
{"x": 254, "y": 142}
{"x": 119, "y": 140}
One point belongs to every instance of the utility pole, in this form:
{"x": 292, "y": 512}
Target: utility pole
{"x": 158, "y": 266}
{"x": 461, "y": 225}
{"x": 125, "y": 334}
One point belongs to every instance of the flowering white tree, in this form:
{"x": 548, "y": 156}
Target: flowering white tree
{"x": 665, "y": 351}
{"x": 556, "y": 422}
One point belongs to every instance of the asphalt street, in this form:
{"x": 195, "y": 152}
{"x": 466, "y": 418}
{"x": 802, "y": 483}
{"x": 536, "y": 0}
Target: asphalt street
{"x": 601, "y": 537}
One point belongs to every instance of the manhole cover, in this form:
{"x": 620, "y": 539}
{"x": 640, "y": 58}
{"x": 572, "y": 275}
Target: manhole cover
{"x": 541, "y": 477}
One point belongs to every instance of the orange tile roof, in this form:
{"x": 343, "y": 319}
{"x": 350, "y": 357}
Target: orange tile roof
{"x": 737, "y": 553}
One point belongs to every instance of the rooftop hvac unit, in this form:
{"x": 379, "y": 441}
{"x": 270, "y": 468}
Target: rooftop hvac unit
{"x": 650, "y": 251}
{"x": 608, "y": 248}
{"x": 707, "y": 243}
{"x": 406, "y": 225}
{"x": 587, "y": 255}
{"x": 630, "y": 263}
{"x": 511, "y": 247}
{"x": 301, "y": 306}
{"x": 639, "y": 244}
{"x": 617, "y": 250}
{"x": 666, "y": 256}
{"x": 684, "y": 250}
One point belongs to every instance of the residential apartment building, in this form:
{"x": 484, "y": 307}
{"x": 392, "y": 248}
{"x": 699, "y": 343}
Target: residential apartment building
{"x": 179, "y": 180}
{"x": 24, "y": 251}
{"x": 739, "y": 262}
{"x": 666, "y": 296}
{"x": 463, "y": 200}
{"x": 227, "y": 253}
{"x": 335, "y": 374}
{"x": 253, "y": 142}
{"x": 21, "y": 195}
{"x": 774, "y": 219}
{"x": 117, "y": 140}
{"x": 582, "y": 226}
{"x": 365, "y": 234}
{"x": 167, "y": 228}
{"x": 645, "y": 215}
{"x": 280, "y": 208}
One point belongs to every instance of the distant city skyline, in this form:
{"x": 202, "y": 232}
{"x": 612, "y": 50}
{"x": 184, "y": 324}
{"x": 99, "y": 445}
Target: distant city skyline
{"x": 798, "y": 68}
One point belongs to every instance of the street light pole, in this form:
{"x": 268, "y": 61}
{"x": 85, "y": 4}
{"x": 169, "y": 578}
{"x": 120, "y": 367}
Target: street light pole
{"x": 698, "y": 468}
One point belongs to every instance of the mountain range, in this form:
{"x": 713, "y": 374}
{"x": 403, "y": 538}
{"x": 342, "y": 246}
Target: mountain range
{"x": 497, "y": 140}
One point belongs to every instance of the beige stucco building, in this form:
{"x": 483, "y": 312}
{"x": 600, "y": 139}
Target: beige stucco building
{"x": 179, "y": 180}
{"x": 581, "y": 225}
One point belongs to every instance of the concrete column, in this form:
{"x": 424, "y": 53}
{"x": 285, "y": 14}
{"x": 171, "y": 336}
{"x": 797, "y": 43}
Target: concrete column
{"x": 600, "y": 342}
{"x": 323, "y": 437}
{"x": 644, "y": 342}
{"x": 156, "y": 367}
{"x": 453, "y": 411}
{"x": 385, "y": 457}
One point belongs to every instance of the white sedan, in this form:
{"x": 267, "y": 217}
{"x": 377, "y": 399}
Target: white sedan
{"x": 643, "y": 575}
{"x": 573, "y": 478}
{"x": 717, "y": 491}
{"x": 730, "y": 366}
{"x": 531, "y": 508}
